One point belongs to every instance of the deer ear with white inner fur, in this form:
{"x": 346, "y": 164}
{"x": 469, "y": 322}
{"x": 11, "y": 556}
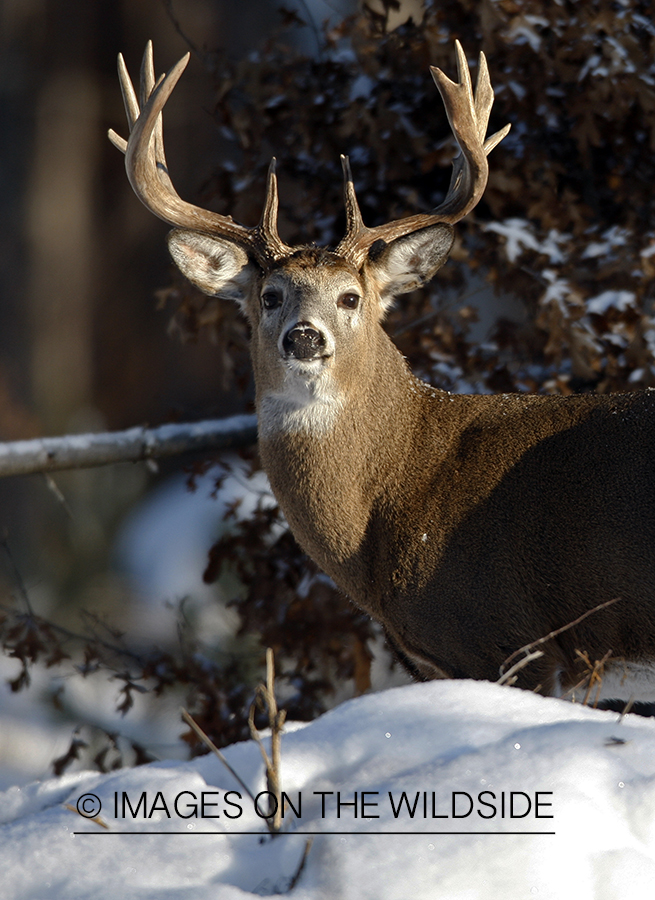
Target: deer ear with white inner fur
{"x": 216, "y": 266}
{"x": 409, "y": 262}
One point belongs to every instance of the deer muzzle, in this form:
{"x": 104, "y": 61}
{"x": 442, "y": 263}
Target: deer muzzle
{"x": 304, "y": 341}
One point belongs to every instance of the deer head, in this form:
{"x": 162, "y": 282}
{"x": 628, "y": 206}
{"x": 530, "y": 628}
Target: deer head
{"x": 314, "y": 312}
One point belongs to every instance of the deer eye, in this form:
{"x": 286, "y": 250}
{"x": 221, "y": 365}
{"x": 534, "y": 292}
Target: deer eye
{"x": 348, "y": 301}
{"x": 271, "y": 299}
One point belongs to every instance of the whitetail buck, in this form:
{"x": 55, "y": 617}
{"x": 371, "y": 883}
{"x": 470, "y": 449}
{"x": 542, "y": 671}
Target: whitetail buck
{"x": 468, "y": 525}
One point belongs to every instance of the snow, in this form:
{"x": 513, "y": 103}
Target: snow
{"x": 522, "y": 31}
{"x": 162, "y": 545}
{"x": 602, "y": 303}
{"x": 557, "y": 291}
{"x": 582, "y": 784}
{"x": 519, "y": 236}
{"x": 612, "y": 238}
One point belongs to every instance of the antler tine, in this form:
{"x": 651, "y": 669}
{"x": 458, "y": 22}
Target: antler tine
{"x": 130, "y": 103}
{"x": 468, "y": 116}
{"x": 463, "y": 74}
{"x": 267, "y": 228}
{"x": 147, "y": 79}
{"x": 355, "y": 228}
{"x": 496, "y": 138}
{"x": 353, "y": 213}
{"x": 146, "y": 168}
{"x": 484, "y": 96}
{"x": 130, "y": 100}
{"x": 484, "y": 100}
{"x": 148, "y": 82}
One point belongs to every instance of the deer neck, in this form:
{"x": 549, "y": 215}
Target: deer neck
{"x": 330, "y": 473}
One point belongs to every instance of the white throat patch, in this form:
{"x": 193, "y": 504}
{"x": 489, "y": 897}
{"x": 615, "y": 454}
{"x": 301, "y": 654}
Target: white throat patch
{"x": 308, "y": 401}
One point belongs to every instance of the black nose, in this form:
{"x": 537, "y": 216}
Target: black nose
{"x": 303, "y": 341}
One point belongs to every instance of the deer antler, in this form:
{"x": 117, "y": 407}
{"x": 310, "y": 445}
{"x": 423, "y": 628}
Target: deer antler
{"x": 145, "y": 162}
{"x": 147, "y": 171}
{"x": 468, "y": 116}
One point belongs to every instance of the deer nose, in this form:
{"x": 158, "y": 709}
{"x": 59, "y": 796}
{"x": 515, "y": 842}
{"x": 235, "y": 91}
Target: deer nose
{"x": 303, "y": 341}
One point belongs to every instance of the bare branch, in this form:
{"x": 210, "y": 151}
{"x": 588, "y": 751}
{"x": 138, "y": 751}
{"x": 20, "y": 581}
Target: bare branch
{"x": 266, "y": 696}
{"x": 529, "y": 647}
{"x": 207, "y": 741}
{"x": 294, "y": 881}
{"x": 509, "y": 677}
{"x": 83, "y": 451}
{"x": 595, "y": 674}
{"x": 18, "y": 578}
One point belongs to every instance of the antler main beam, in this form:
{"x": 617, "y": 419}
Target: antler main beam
{"x": 468, "y": 115}
{"x": 145, "y": 163}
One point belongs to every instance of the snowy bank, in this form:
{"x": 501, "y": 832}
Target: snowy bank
{"x": 462, "y": 790}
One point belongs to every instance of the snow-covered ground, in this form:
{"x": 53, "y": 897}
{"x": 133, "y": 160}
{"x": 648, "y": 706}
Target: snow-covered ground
{"x": 464, "y": 755}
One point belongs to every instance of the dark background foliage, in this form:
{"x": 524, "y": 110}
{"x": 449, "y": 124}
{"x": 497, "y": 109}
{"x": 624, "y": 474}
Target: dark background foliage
{"x": 549, "y": 287}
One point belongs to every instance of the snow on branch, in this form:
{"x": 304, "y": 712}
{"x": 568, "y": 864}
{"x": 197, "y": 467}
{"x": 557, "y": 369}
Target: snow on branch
{"x": 83, "y": 451}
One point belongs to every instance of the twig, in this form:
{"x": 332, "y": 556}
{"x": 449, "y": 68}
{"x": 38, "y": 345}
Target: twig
{"x": 626, "y": 709}
{"x": 508, "y": 677}
{"x": 97, "y": 819}
{"x": 207, "y": 741}
{"x": 311, "y": 24}
{"x": 53, "y": 487}
{"x": 82, "y": 638}
{"x": 168, "y": 6}
{"x": 294, "y": 881}
{"x": 528, "y": 647}
{"x": 266, "y": 695}
{"x": 273, "y": 826}
{"x": 595, "y": 675}
{"x": 18, "y": 578}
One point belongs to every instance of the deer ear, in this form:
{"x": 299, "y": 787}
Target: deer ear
{"x": 218, "y": 267}
{"x": 408, "y": 262}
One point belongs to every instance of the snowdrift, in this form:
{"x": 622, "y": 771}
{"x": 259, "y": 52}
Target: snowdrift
{"x": 443, "y": 790}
